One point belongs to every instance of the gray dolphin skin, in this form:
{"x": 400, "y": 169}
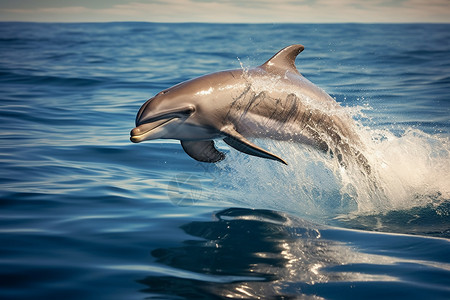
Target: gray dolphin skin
{"x": 271, "y": 101}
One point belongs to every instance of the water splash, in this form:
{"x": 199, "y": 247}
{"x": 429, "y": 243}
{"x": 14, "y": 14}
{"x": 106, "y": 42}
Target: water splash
{"x": 411, "y": 169}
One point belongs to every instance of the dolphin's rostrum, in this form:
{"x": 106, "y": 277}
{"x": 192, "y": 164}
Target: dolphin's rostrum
{"x": 270, "y": 101}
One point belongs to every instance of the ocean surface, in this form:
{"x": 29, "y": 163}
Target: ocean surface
{"x": 86, "y": 214}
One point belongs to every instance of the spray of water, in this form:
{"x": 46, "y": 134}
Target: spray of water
{"x": 407, "y": 170}
{"x": 412, "y": 169}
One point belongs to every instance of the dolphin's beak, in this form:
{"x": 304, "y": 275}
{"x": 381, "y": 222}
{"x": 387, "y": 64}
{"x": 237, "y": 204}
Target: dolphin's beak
{"x": 149, "y": 131}
{"x": 150, "y": 125}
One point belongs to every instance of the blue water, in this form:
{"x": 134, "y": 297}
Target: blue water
{"x": 86, "y": 214}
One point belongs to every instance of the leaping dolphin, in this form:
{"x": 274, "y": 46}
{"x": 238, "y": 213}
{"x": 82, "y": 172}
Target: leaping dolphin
{"x": 270, "y": 101}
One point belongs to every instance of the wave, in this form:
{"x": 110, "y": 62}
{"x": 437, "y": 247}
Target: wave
{"x": 13, "y": 77}
{"x": 289, "y": 258}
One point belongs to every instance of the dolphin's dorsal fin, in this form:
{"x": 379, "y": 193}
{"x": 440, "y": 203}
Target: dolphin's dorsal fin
{"x": 284, "y": 59}
{"x": 203, "y": 151}
{"x": 238, "y": 142}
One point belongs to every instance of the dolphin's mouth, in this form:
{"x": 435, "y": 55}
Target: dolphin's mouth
{"x": 144, "y": 131}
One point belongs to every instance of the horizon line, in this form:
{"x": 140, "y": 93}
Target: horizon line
{"x": 224, "y": 23}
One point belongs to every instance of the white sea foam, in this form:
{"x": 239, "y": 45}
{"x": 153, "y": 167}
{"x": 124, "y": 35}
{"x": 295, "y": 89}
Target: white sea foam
{"x": 413, "y": 169}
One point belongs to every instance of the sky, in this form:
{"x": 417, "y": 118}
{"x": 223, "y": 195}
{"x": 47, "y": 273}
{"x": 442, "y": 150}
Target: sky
{"x": 228, "y": 11}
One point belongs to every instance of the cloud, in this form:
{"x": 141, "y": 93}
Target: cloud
{"x": 251, "y": 11}
{"x": 49, "y": 10}
{"x": 229, "y": 11}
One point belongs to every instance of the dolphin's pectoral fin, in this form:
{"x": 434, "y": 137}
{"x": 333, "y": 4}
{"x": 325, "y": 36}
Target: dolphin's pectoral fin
{"x": 251, "y": 149}
{"x": 203, "y": 151}
{"x": 238, "y": 142}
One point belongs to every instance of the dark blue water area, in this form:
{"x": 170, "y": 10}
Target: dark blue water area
{"x": 86, "y": 214}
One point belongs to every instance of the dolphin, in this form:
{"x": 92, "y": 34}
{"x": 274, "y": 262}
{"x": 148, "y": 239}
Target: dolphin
{"x": 271, "y": 101}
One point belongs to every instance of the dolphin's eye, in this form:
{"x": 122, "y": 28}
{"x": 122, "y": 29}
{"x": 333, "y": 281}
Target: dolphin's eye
{"x": 189, "y": 110}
